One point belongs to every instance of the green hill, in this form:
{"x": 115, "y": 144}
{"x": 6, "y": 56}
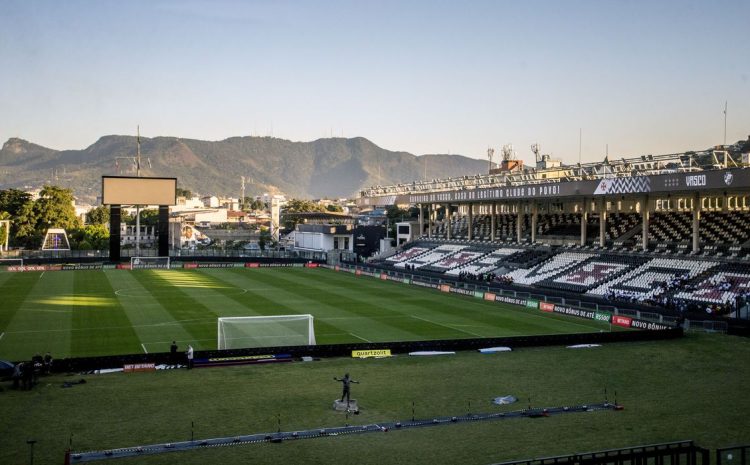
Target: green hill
{"x": 335, "y": 167}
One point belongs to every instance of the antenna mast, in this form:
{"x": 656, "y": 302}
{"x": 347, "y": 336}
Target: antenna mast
{"x": 725, "y": 122}
{"x": 242, "y": 198}
{"x": 507, "y": 152}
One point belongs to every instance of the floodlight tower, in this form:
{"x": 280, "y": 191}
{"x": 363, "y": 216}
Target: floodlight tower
{"x": 137, "y": 163}
{"x": 536, "y": 150}
{"x": 138, "y": 207}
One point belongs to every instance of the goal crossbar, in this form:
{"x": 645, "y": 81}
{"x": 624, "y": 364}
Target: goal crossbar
{"x": 265, "y": 331}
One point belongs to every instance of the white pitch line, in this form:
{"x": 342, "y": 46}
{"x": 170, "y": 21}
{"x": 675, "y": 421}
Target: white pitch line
{"x": 360, "y": 337}
{"x": 40, "y": 276}
{"x": 144, "y": 348}
{"x": 1, "y": 335}
{"x": 180, "y": 340}
{"x": 447, "y": 326}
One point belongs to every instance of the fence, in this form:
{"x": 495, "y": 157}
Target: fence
{"x": 216, "y": 253}
{"x": 707, "y": 326}
{"x": 527, "y": 295}
{"x": 738, "y": 455}
{"x": 672, "y": 453}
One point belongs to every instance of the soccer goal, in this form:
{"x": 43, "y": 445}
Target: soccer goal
{"x": 137, "y": 263}
{"x": 265, "y": 331}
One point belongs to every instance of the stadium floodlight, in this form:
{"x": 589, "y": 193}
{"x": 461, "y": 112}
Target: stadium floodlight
{"x": 265, "y": 331}
{"x": 149, "y": 263}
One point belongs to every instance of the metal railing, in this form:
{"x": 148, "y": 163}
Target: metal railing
{"x": 738, "y": 455}
{"x": 672, "y": 453}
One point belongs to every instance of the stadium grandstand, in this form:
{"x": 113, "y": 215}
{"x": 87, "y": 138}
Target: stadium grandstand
{"x": 669, "y": 231}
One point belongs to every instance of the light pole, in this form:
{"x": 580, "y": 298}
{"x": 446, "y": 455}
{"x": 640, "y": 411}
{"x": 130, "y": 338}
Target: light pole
{"x": 137, "y": 162}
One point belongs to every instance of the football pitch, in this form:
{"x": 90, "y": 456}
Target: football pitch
{"x": 91, "y": 313}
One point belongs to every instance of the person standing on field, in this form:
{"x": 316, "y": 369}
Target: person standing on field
{"x": 189, "y": 353}
{"x": 173, "y": 354}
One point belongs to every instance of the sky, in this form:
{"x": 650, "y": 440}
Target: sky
{"x": 627, "y": 77}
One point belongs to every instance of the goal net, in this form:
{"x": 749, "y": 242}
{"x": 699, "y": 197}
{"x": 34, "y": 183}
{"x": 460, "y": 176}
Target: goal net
{"x": 265, "y": 331}
{"x": 137, "y": 263}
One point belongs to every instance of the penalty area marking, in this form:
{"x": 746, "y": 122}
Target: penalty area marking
{"x": 360, "y": 337}
{"x": 191, "y": 291}
{"x": 447, "y": 326}
{"x": 144, "y": 348}
{"x": 1, "y": 336}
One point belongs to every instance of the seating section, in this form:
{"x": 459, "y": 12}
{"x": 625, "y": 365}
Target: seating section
{"x": 555, "y": 265}
{"x": 430, "y": 256}
{"x": 618, "y": 224}
{"x": 408, "y": 254}
{"x": 505, "y": 227}
{"x": 487, "y": 264}
{"x": 718, "y": 229}
{"x": 454, "y": 261}
{"x": 592, "y": 273}
{"x": 721, "y": 286}
{"x": 725, "y": 233}
{"x": 646, "y": 281}
{"x": 646, "y": 278}
{"x": 730, "y": 228}
{"x": 559, "y": 224}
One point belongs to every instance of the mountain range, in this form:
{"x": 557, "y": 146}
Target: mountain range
{"x": 332, "y": 168}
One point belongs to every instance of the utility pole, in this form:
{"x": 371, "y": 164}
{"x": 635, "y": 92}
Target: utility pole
{"x": 725, "y": 122}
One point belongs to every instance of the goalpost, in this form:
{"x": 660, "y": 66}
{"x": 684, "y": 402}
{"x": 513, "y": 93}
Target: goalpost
{"x": 265, "y": 331}
{"x": 139, "y": 263}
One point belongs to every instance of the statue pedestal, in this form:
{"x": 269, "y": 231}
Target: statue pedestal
{"x": 340, "y": 406}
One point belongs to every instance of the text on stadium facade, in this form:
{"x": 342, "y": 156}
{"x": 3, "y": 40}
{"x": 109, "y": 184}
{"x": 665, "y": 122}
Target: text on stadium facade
{"x": 489, "y": 194}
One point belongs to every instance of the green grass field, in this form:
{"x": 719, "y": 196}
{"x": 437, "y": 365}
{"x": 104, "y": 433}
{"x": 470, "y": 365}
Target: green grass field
{"x": 690, "y": 388}
{"x": 87, "y": 313}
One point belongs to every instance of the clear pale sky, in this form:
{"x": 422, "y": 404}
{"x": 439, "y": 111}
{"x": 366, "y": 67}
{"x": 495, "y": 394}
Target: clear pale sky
{"x": 420, "y": 76}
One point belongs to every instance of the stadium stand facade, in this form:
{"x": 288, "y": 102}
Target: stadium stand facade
{"x": 672, "y": 231}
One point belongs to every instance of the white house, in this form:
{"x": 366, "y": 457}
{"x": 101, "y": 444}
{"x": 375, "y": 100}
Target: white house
{"x": 324, "y": 237}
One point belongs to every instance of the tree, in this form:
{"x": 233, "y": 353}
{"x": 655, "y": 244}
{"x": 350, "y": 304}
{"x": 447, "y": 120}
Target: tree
{"x": 302, "y": 206}
{"x": 98, "y": 215}
{"x": 23, "y": 231}
{"x": 183, "y": 193}
{"x": 149, "y": 217}
{"x": 335, "y": 208}
{"x": 265, "y": 238}
{"x": 253, "y": 204}
{"x": 17, "y": 204}
{"x": 3, "y": 228}
{"x": 54, "y": 209}
{"x": 92, "y": 236}
{"x": 13, "y": 200}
